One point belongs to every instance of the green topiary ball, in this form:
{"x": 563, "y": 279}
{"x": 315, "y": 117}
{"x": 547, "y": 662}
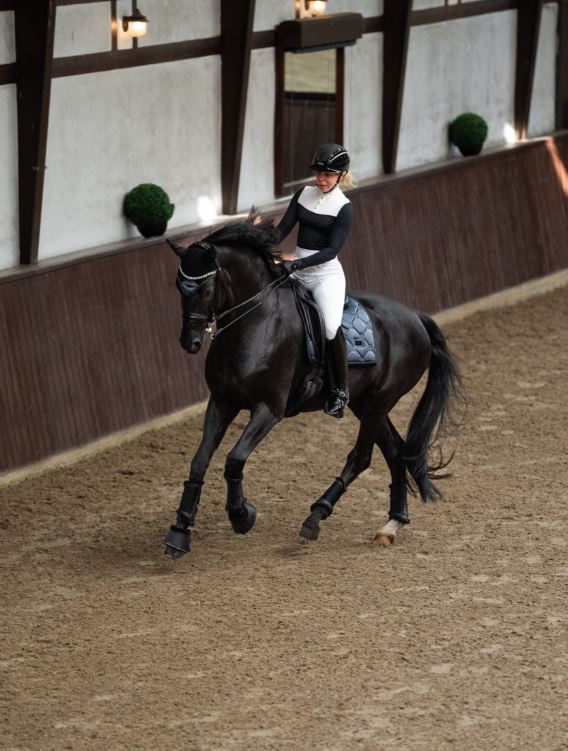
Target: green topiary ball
{"x": 468, "y": 132}
{"x": 148, "y": 207}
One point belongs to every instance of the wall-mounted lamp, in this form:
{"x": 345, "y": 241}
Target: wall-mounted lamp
{"x": 310, "y": 8}
{"x": 136, "y": 25}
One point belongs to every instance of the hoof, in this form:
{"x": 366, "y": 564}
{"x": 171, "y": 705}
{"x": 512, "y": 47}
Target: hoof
{"x": 177, "y": 542}
{"x": 174, "y": 553}
{"x": 383, "y": 539}
{"x": 244, "y": 522}
{"x": 308, "y": 534}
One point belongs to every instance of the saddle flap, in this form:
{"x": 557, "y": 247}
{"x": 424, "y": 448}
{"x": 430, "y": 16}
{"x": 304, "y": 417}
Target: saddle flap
{"x": 312, "y": 320}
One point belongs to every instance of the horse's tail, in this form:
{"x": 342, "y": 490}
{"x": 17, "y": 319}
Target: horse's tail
{"x": 433, "y": 413}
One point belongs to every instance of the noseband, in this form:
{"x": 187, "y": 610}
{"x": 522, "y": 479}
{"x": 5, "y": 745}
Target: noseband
{"x": 190, "y": 285}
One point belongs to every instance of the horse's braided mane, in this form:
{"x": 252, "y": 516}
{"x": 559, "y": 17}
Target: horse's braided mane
{"x": 261, "y": 238}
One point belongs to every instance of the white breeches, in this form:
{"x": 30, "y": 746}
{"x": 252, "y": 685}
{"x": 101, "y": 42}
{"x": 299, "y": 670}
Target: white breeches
{"x": 326, "y": 282}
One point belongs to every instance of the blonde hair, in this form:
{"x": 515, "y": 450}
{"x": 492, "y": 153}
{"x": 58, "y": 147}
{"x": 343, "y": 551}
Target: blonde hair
{"x": 347, "y": 181}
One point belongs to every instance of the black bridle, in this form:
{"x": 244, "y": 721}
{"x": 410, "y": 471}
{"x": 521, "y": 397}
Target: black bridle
{"x": 190, "y": 286}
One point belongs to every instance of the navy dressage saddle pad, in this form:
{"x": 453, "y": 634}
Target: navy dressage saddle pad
{"x": 358, "y": 333}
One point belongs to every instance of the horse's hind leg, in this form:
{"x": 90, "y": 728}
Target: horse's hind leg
{"x": 217, "y": 419}
{"x": 392, "y": 447}
{"x": 357, "y": 461}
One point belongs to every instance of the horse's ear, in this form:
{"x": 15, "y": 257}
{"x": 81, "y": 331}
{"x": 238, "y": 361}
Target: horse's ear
{"x": 254, "y": 216}
{"x": 209, "y": 249}
{"x": 179, "y": 250}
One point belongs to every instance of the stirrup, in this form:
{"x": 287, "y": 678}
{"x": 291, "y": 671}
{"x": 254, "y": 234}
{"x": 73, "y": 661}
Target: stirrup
{"x": 336, "y": 403}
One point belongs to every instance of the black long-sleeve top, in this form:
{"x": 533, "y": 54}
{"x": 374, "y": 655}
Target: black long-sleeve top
{"x": 324, "y": 222}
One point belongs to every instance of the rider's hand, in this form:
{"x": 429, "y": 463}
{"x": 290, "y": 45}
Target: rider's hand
{"x": 288, "y": 267}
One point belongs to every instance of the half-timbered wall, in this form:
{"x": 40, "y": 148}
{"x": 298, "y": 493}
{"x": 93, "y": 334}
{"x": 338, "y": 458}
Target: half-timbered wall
{"x": 94, "y": 343}
{"x": 111, "y": 129}
{"x": 453, "y": 67}
{"x": 156, "y": 123}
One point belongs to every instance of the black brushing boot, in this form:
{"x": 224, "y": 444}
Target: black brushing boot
{"x": 338, "y": 372}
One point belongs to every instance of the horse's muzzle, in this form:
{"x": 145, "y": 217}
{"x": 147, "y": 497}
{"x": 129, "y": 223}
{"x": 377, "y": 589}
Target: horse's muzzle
{"x": 192, "y": 343}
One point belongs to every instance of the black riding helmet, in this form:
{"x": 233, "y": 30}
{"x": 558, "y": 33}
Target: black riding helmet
{"x": 330, "y": 158}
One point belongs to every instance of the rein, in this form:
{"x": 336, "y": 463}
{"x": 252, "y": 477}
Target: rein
{"x": 269, "y": 287}
{"x": 192, "y": 289}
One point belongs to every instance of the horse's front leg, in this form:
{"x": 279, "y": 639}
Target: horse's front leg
{"x": 242, "y": 514}
{"x": 218, "y": 417}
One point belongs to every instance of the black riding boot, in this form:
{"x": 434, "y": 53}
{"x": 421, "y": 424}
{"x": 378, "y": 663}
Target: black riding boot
{"x": 338, "y": 372}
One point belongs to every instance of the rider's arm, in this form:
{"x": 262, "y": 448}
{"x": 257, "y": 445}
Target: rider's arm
{"x": 337, "y": 237}
{"x": 288, "y": 221}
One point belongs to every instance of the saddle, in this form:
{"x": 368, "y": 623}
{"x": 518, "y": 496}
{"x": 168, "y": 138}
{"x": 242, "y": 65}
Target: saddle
{"x": 358, "y": 333}
{"x": 356, "y": 326}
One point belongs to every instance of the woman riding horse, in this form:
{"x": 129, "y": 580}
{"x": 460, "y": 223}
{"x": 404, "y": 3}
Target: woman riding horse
{"x": 262, "y": 367}
{"x": 324, "y": 216}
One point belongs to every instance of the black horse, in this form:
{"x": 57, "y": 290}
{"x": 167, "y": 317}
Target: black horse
{"x": 258, "y": 362}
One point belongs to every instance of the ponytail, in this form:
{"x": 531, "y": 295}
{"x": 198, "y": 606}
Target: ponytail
{"x": 347, "y": 181}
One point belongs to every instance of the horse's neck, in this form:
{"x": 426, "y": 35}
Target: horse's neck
{"x": 247, "y": 274}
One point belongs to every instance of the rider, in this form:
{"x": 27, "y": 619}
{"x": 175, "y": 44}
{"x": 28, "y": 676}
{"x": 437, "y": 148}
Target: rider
{"x": 324, "y": 217}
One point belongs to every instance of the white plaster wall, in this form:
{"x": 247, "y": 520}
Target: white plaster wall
{"x": 422, "y": 4}
{"x": 268, "y": 13}
{"x": 9, "y": 243}
{"x": 257, "y": 173}
{"x": 180, "y": 20}
{"x": 7, "y": 38}
{"x": 542, "y": 114}
{"x": 363, "y": 105}
{"x": 454, "y": 67}
{"x": 159, "y": 123}
{"x": 367, "y": 8}
{"x": 82, "y": 29}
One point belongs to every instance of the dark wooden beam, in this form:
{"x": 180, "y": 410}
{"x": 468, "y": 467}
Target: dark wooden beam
{"x": 7, "y": 73}
{"x": 114, "y": 26}
{"x": 562, "y": 68}
{"x": 396, "y": 22}
{"x": 263, "y": 39}
{"x": 528, "y": 27}
{"x": 339, "y": 93}
{"x": 35, "y": 25}
{"x": 130, "y": 58}
{"x": 279, "y": 120}
{"x": 79, "y": 2}
{"x": 236, "y": 43}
